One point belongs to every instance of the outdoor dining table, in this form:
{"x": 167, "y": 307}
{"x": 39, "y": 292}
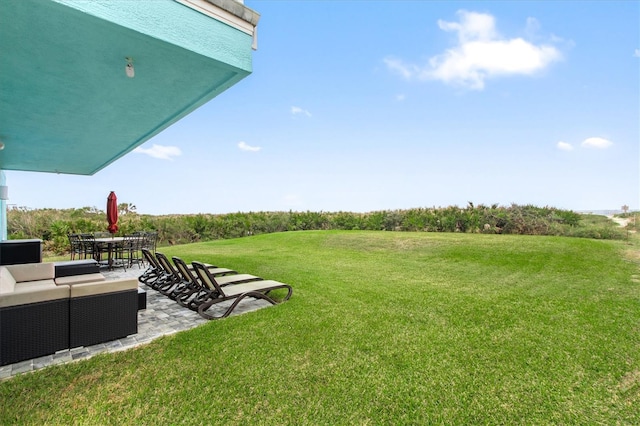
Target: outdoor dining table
{"x": 111, "y": 243}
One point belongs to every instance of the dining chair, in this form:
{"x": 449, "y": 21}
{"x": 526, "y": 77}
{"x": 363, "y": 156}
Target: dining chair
{"x": 89, "y": 249}
{"x": 75, "y": 246}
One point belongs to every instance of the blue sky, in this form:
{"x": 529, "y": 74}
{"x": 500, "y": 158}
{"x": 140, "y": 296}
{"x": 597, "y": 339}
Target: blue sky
{"x": 362, "y": 106}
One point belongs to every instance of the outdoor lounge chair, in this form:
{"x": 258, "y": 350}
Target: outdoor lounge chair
{"x": 235, "y": 293}
{"x": 172, "y": 284}
{"x": 153, "y": 269}
{"x": 176, "y": 285}
{"x": 154, "y": 275}
{"x": 189, "y": 298}
{"x": 197, "y": 291}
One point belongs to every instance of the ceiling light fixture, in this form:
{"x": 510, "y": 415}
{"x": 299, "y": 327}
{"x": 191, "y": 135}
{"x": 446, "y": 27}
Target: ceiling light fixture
{"x": 129, "y": 68}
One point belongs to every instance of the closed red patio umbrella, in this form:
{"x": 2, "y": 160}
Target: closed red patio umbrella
{"x": 112, "y": 212}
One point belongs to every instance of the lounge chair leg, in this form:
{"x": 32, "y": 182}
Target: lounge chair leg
{"x": 255, "y": 294}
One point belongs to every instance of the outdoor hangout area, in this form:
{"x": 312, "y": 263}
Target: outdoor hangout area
{"x": 383, "y": 328}
{"x": 48, "y": 307}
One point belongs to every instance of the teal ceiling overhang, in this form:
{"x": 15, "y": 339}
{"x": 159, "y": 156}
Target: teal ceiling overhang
{"x": 66, "y": 102}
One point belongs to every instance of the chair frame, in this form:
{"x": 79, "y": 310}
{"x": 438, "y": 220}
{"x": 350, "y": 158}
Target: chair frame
{"x": 169, "y": 278}
{"x": 89, "y": 248}
{"x": 202, "y": 293}
{"x": 154, "y": 276}
{"x": 236, "y": 293}
{"x": 77, "y": 248}
{"x": 188, "y": 299}
{"x": 192, "y": 299}
{"x": 136, "y": 243}
{"x": 177, "y": 286}
{"x": 152, "y": 272}
{"x": 150, "y": 240}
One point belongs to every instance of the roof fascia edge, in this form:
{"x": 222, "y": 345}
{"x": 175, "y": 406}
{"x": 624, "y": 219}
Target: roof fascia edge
{"x": 230, "y": 12}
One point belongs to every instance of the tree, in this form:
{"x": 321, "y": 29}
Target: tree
{"x": 124, "y": 208}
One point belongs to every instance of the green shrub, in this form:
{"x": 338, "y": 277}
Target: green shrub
{"x": 52, "y": 225}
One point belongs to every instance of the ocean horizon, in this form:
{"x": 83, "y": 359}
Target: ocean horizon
{"x": 604, "y": 212}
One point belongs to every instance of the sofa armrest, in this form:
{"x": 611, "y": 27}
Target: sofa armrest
{"x": 32, "y": 271}
{"x": 67, "y": 268}
{"x": 7, "y": 282}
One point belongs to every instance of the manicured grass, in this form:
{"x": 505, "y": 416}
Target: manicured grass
{"x": 382, "y": 328}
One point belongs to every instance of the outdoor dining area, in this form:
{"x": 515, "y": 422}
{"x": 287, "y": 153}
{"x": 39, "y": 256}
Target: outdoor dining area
{"x": 109, "y": 250}
{"x": 112, "y": 251}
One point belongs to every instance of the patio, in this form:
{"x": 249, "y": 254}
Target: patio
{"x": 162, "y": 317}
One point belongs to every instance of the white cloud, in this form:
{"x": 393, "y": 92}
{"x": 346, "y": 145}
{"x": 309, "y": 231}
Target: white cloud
{"x": 565, "y": 146}
{"x": 473, "y": 26}
{"x": 160, "y": 151}
{"x": 400, "y": 97}
{"x": 599, "y": 143}
{"x": 481, "y": 53}
{"x": 245, "y": 147}
{"x": 407, "y": 71}
{"x": 299, "y": 111}
{"x": 636, "y": 53}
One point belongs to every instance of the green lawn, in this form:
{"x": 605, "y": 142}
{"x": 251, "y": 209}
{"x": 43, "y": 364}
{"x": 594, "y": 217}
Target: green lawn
{"x": 383, "y": 328}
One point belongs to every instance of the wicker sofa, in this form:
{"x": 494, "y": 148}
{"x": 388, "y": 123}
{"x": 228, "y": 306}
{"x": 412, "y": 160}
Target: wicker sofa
{"x": 41, "y": 314}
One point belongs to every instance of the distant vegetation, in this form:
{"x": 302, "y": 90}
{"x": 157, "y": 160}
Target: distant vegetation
{"x": 53, "y": 225}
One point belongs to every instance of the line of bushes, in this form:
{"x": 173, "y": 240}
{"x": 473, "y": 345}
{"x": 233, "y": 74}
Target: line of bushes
{"x": 53, "y": 225}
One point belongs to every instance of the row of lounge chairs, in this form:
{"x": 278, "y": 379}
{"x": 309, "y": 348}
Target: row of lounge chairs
{"x": 200, "y": 286}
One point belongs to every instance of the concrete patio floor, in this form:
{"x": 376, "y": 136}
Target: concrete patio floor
{"x": 162, "y": 317}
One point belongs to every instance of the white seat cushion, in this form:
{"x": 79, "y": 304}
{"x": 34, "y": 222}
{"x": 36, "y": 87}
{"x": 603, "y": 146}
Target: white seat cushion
{"x": 80, "y": 279}
{"x": 34, "y": 291}
{"x": 109, "y": 286}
